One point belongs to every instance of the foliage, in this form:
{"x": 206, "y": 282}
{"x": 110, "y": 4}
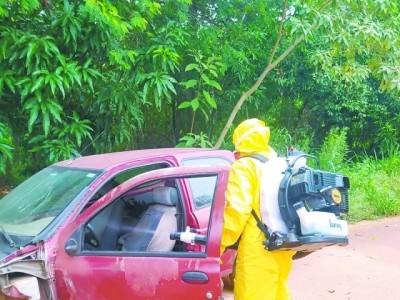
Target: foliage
{"x": 374, "y": 188}
{"x": 333, "y": 152}
{"x": 318, "y": 86}
{"x": 388, "y": 135}
{"x": 202, "y": 85}
{"x": 5, "y": 147}
{"x": 65, "y": 73}
{"x": 63, "y": 141}
{"x": 194, "y": 140}
{"x": 281, "y": 140}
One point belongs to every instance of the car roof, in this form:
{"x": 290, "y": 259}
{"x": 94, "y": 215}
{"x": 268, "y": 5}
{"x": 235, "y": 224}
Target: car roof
{"x": 108, "y": 160}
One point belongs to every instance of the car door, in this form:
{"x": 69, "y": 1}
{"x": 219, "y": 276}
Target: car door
{"x": 85, "y": 271}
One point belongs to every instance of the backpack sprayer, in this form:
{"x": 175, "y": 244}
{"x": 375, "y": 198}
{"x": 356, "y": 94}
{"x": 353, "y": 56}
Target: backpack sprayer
{"x": 310, "y": 204}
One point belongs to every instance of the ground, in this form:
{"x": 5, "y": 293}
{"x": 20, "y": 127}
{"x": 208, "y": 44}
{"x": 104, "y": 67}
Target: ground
{"x": 367, "y": 269}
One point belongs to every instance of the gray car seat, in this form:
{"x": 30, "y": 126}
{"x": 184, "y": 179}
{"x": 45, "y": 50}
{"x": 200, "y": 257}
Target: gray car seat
{"x": 155, "y": 225}
{"x": 106, "y": 225}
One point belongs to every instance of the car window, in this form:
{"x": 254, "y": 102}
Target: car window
{"x": 128, "y": 174}
{"x": 122, "y": 177}
{"x": 29, "y": 208}
{"x": 143, "y": 220}
{"x": 202, "y": 189}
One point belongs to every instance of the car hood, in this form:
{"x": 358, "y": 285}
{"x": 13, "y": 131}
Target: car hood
{"x": 7, "y": 254}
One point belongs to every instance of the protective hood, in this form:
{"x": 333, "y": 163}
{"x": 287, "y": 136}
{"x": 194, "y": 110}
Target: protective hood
{"x": 252, "y": 136}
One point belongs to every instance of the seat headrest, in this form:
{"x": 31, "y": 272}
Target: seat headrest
{"x": 165, "y": 195}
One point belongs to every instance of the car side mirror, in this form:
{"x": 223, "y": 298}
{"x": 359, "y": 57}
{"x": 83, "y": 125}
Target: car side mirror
{"x": 73, "y": 244}
{"x": 71, "y": 247}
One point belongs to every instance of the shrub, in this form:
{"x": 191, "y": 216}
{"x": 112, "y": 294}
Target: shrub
{"x": 5, "y": 147}
{"x": 333, "y": 152}
{"x": 375, "y": 186}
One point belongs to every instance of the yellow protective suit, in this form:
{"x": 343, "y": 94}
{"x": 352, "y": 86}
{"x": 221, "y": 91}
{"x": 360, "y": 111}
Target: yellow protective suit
{"x": 259, "y": 274}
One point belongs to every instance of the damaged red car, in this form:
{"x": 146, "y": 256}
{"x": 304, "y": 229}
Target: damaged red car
{"x": 143, "y": 224}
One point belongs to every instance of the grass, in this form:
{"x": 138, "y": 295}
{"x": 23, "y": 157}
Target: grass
{"x": 375, "y": 189}
{"x": 374, "y": 180}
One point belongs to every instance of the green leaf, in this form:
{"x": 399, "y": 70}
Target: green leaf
{"x": 195, "y": 104}
{"x": 215, "y": 84}
{"x": 191, "y": 67}
{"x": 38, "y": 84}
{"x": 169, "y": 85}
{"x": 33, "y": 106}
{"x": 54, "y": 109}
{"x": 87, "y": 63}
{"x": 23, "y": 80}
{"x": 32, "y": 47}
{"x": 190, "y": 142}
{"x": 209, "y": 99}
{"x": 36, "y": 139}
{"x": 61, "y": 88}
{"x": 46, "y": 122}
{"x": 53, "y": 85}
{"x": 145, "y": 89}
{"x": 205, "y": 114}
{"x": 188, "y": 84}
{"x": 205, "y": 78}
{"x": 185, "y": 104}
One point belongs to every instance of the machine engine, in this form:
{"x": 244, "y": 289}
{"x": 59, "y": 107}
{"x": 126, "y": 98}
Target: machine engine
{"x": 311, "y": 202}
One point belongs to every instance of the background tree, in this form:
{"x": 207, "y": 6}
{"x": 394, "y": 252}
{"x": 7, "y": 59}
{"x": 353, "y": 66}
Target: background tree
{"x": 347, "y": 48}
{"x": 87, "y": 77}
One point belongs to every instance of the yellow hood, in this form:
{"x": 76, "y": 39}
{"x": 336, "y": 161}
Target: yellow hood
{"x": 252, "y": 136}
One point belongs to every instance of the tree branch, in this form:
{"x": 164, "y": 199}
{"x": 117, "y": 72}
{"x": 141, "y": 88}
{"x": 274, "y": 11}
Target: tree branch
{"x": 280, "y": 33}
{"x": 271, "y": 65}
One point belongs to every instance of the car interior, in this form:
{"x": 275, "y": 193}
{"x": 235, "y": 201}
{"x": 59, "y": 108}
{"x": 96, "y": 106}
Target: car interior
{"x": 140, "y": 220}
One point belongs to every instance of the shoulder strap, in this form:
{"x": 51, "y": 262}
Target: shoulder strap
{"x": 260, "y": 224}
{"x": 259, "y": 157}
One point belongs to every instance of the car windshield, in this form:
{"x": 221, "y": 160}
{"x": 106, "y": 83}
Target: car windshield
{"x": 31, "y": 206}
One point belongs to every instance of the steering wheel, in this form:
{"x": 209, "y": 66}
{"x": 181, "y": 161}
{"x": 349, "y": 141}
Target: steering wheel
{"x": 91, "y": 237}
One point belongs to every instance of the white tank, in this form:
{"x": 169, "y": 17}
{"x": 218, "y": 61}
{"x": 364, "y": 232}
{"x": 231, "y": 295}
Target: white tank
{"x": 323, "y": 223}
{"x": 272, "y": 175}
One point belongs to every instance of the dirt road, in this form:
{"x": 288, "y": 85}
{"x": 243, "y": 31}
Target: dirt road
{"x": 368, "y": 268}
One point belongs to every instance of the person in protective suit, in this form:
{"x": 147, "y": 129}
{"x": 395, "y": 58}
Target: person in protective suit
{"x": 259, "y": 274}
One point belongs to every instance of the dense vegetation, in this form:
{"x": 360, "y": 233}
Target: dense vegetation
{"x": 83, "y": 77}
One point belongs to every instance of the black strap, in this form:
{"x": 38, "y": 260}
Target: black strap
{"x": 260, "y": 224}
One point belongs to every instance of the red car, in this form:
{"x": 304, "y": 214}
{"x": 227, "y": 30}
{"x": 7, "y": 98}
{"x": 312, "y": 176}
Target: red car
{"x": 142, "y": 224}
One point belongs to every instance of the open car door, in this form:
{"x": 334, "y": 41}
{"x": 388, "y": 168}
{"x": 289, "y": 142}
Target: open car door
{"x": 121, "y": 247}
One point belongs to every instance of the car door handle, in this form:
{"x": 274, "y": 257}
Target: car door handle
{"x": 195, "y": 277}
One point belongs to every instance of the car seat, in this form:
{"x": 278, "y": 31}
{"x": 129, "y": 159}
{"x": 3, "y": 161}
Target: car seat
{"x": 106, "y": 226}
{"x": 152, "y": 232}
